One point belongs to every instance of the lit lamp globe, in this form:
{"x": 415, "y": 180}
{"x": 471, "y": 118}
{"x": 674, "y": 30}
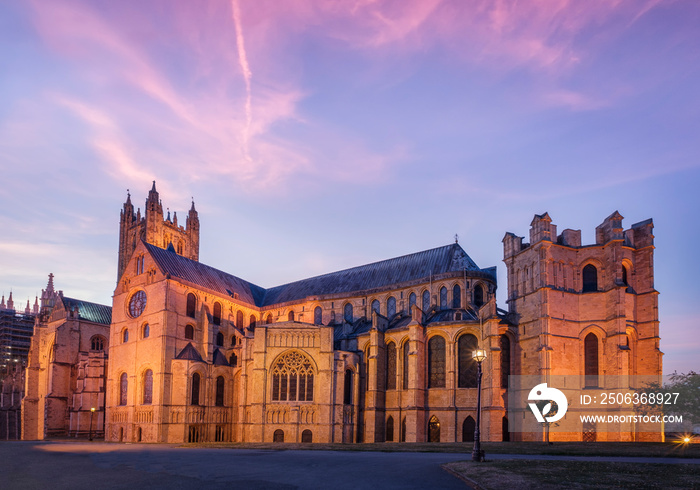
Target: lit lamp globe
{"x": 479, "y": 355}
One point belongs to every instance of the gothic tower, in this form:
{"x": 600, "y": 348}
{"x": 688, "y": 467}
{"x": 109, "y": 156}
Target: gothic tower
{"x": 156, "y": 229}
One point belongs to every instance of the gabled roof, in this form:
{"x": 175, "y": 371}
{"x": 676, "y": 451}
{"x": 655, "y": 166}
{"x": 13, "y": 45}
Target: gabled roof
{"x": 386, "y": 273}
{"x": 219, "y": 359}
{"x": 91, "y": 312}
{"x": 189, "y": 353}
{"x": 450, "y": 258}
{"x": 205, "y": 276}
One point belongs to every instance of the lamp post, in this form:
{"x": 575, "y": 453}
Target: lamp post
{"x": 477, "y": 454}
{"x": 92, "y": 413}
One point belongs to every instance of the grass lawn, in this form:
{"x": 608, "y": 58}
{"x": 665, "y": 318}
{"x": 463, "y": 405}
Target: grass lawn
{"x": 540, "y": 475}
{"x": 642, "y": 449}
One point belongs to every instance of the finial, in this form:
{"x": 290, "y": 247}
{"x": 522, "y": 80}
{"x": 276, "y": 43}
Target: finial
{"x": 456, "y": 238}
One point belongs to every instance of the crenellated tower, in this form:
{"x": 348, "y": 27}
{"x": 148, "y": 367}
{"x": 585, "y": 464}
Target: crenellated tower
{"x": 156, "y": 229}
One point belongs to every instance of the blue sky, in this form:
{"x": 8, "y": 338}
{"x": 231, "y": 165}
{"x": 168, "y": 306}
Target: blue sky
{"x": 321, "y": 135}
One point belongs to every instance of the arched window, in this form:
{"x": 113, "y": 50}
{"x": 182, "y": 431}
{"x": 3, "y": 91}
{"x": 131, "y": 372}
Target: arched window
{"x": 390, "y": 366}
{"x": 220, "y": 383}
{"x": 434, "y": 429}
{"x": 348, "y": 313}
{"x": 375, "y": 306}
{"x": 217, "y": 314}
{"x": 390, "y": 429}
{"x": 426, "y": 301}
{"x": 443, "y": 298}
{"x": 220, "y": 339}
{"x": 252, "y": 322}
{"x": 125, "y": 335}
{"x": 97, "y": 343}
{"x": 467, "y": 367}
{"x": 318, "y": 316}
{"x": 411, "y": 301}
{"x": 436, "y": 362}
{"x": 590, "y": 347}
{"x": 306, "y": 436}
{"x": 405, "y": 364}
{"x": 191, "y": 305}
{"x": 194, "y": 398}
{"x": 278, "y": 436}
{"x": 403, "y": 430}
{"x": 505, "y": 360}
{"x": 590, "y": 278}
{"x": 233, "y": 360}
{"x": 347, "y": 399}
{"x": 268, "y": 320}
{"x": 456, "y": 296}
{"x": 148, "y": 387}
{"x": 478, "y": 296}
{"x": 290, "y": 316}
{"x": 239, "y": 319}
{"x": 123, "y": 387}
{"x": 292, "y": 378}
{"x": 189, "y": 332}
{"x": 468, "y": 428}
{"x": 624, "y": 275}
{"x": 390, "y": 307}
{"x": 146, "y": 331}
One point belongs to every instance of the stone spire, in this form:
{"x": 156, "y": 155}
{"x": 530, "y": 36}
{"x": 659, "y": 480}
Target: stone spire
{"x": 28, "y": 309}
{"x": 2, "y": 303}
{"x": 35, "y": 309}
{"x": 10, "y": 303}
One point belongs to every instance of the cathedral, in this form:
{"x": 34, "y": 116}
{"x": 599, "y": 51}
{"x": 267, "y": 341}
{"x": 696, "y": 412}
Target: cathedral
{"x": 379, "y": 352}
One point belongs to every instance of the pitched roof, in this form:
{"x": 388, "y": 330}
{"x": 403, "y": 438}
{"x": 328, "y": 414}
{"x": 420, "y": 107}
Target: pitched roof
{"x": 189, "y": 353}
{"x": 219, "y": 359}
{"x": 205, "y": 276}
{"x": 91, "y": 312}
{"x": 450, "y": 258}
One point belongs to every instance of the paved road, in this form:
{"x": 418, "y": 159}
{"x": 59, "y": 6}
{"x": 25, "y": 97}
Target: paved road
{"x": 59, "y": 465}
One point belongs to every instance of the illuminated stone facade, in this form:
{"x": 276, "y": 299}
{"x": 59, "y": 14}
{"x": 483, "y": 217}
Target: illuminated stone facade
{"x": 380, "y": 352}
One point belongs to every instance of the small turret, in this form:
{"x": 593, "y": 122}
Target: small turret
{"x": 2, "y": 303}
{"x": 10, "y": 303}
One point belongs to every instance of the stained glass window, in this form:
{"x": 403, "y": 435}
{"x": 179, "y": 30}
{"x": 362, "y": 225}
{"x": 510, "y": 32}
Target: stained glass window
{"x": 443, "y": 298}
{"x": 426, "y": 301}
{"x": 467, "y": 374}
{"x": 391, "y": 366}
{"x": 123, "y": 387}
{"x": 436, "y": 362}
{"x": 318, "y": 315}
{"x": 148, "y": 387}
{"x": 411, "y": 301}
{"x": 194, "y": 399}
{"x": 456, "y": 296}
{"x": 137, "y": 304}
{"x": 293, "y": 378}
{"x": 220, "y": 383}
{"x": 348, "y": 313}
{"x": 390, "y": 307}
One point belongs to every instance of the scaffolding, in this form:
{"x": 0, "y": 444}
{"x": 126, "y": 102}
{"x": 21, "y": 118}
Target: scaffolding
{"x": 16, "y": 331}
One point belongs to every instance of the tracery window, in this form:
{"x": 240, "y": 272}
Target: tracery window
{"x": 97, "y": 343}
{"x": 191, "y": 305}
{"x": 123, "y": 388}
{"x": 220, "y": 383}
{"x": 217, "y": 314}
{"x": 436, "y": 362}
{"x": 456, "y": 296}
{"x": 426, "y": 301}
{"x": 318, "y": 315}
{"x": 348, "y": 313}
{"x": 411, "y": 301}
{"x": 467, "y": 375}
{"x": 390, "y": 307}
{"x": 292, "y": 378}
{"x": 375, "y": 306}
{"x": 590, "y": 278}
{"x": 137, "y": 303}
{"x": 391, "y": 366}
{"x": 443, "y": 298}
{"x": 194, "y": 399}
{"x": 148, "y": 387}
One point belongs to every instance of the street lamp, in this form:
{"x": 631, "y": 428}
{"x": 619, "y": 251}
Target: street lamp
{"x": 477, "y": 454}
{"x": 92, "y": 413}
